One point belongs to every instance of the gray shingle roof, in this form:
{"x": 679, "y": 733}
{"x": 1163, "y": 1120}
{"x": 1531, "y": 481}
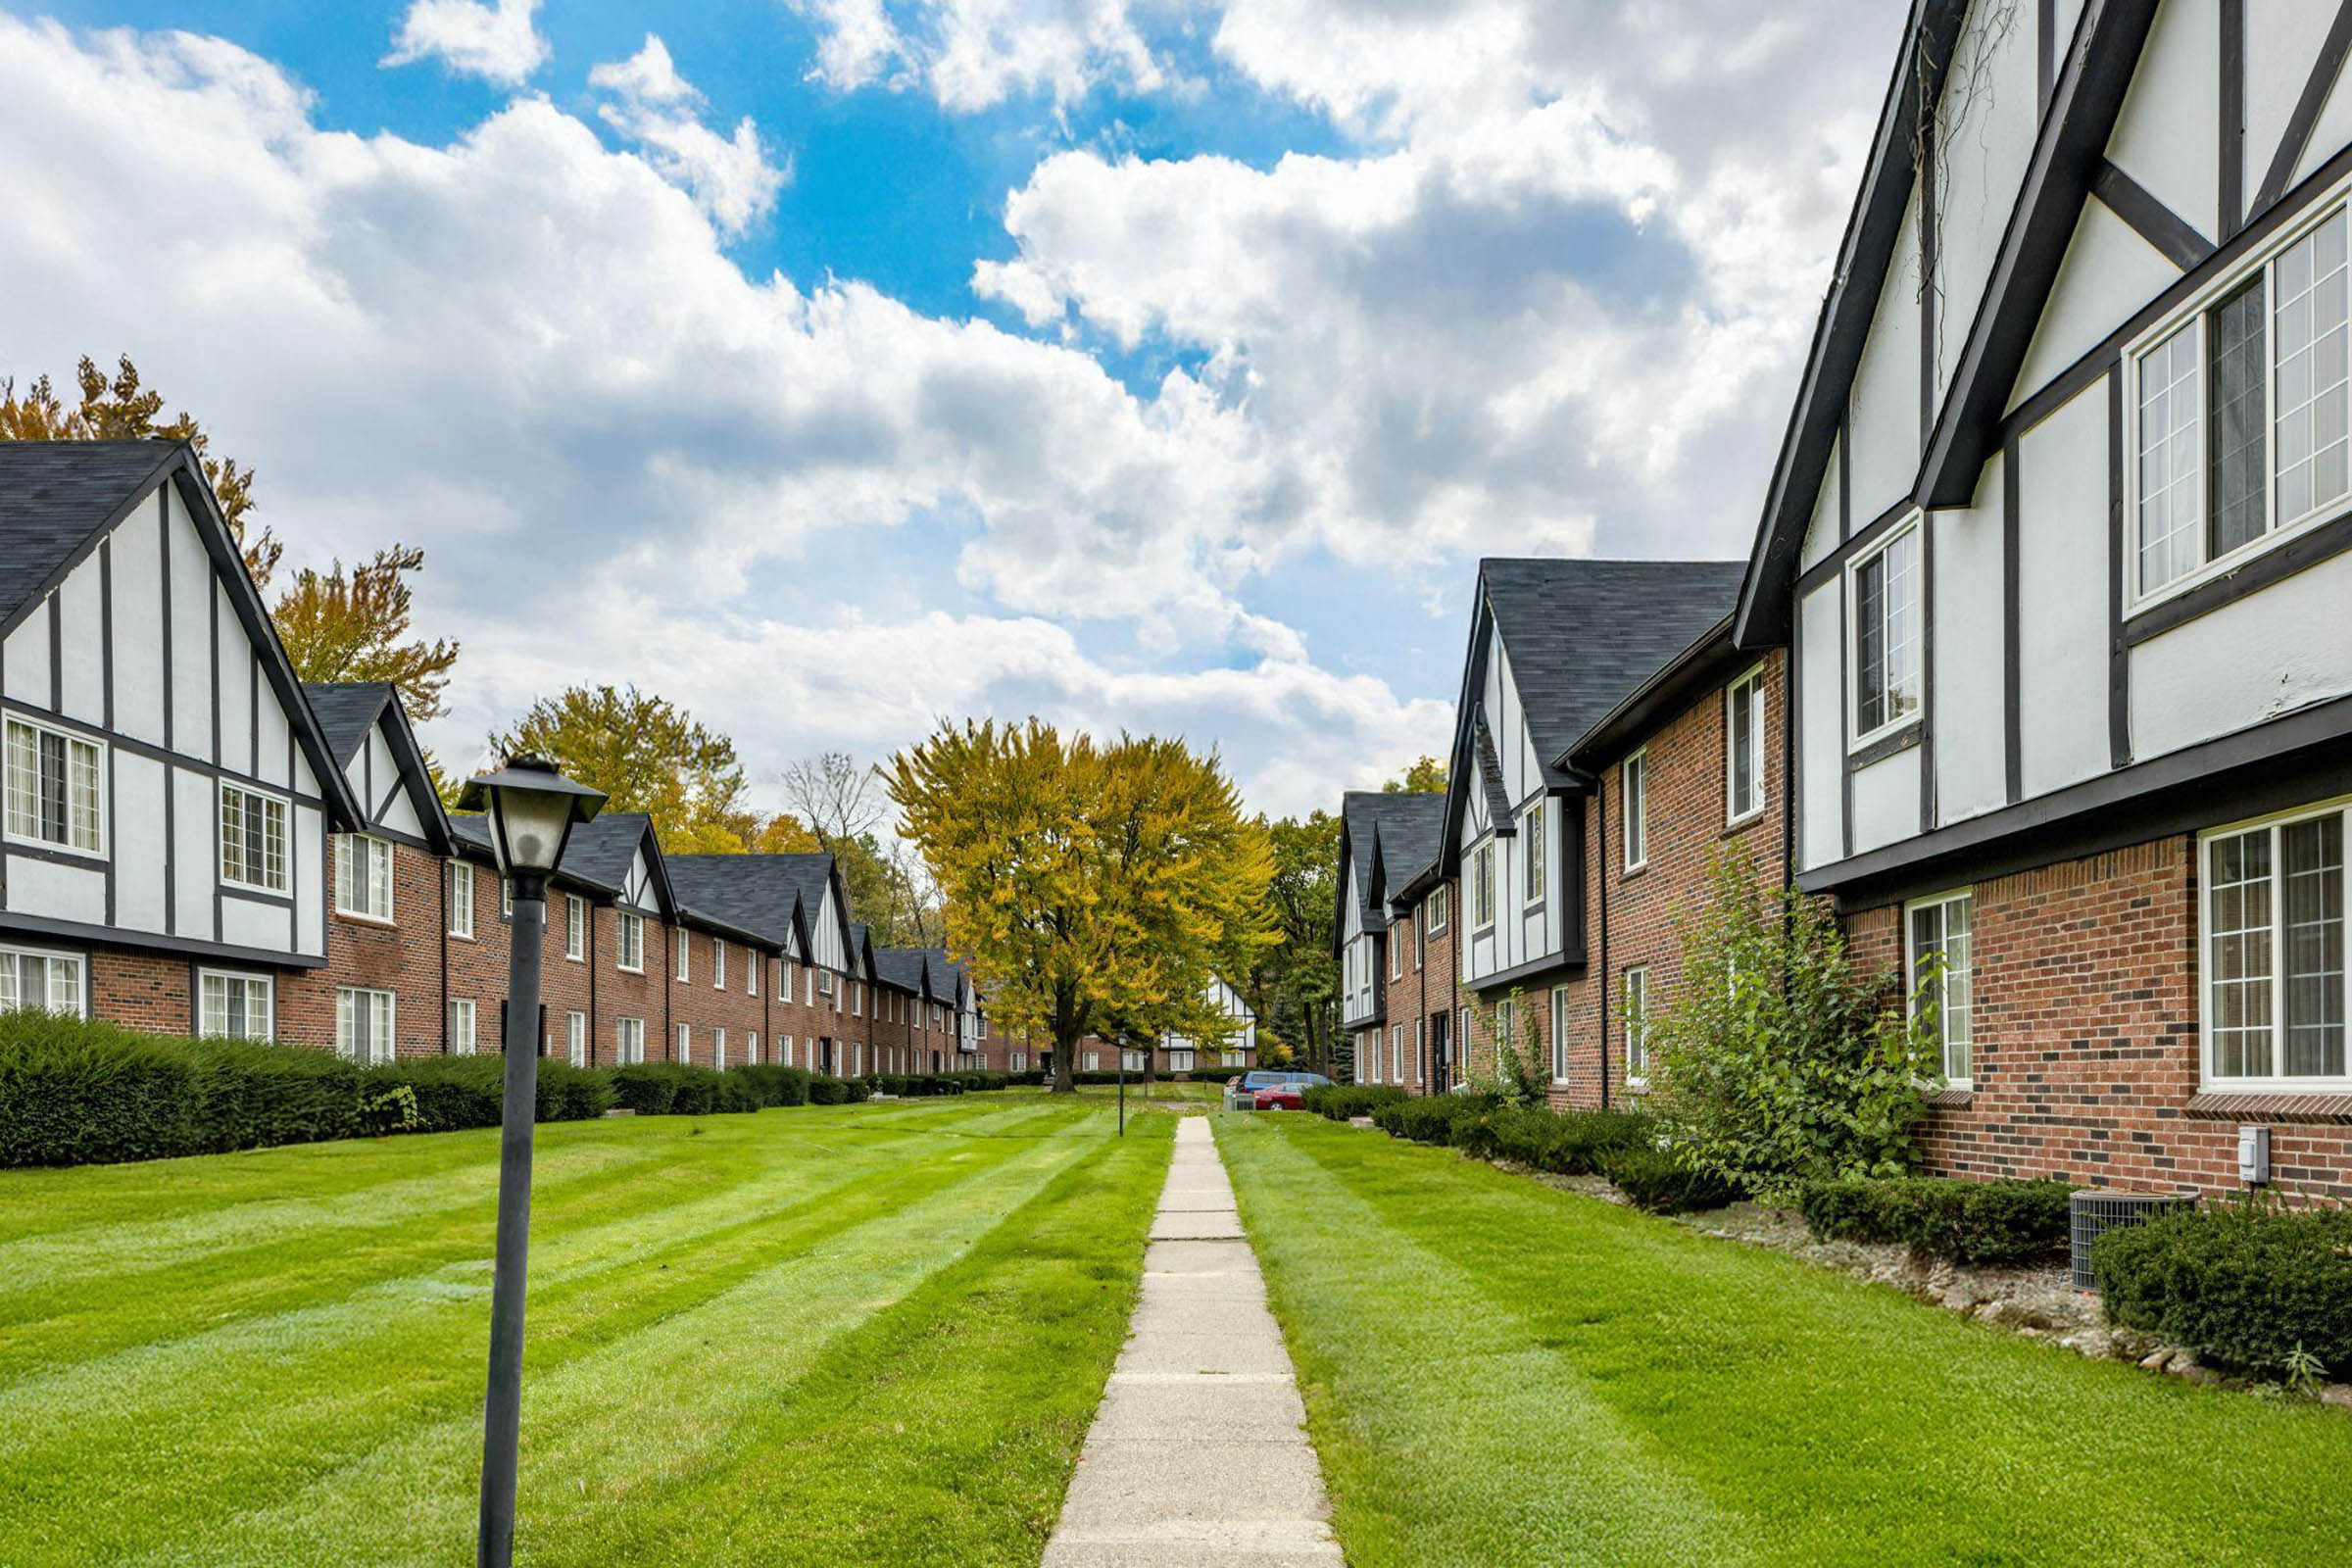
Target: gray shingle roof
{"x": 596, "y": 855}
{"x": 903, "y": 968}
{"x": 1410, "y": 836}
{"x": 56, "y": 494}
{"x": 347, "y": 711}
{"x": 755, "y": 893}
{"x": 1367, "y": 818}
{"x": 1581, "y": 634}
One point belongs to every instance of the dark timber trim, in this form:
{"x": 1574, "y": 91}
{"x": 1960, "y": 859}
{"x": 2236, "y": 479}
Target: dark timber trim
{"x": 38, "y": 595}
{"x": 1846, "y": 481}
{"x": 2326, "y": 67}
{"x": 2302, "y": 757}
{"x": 1857, "y": 542}
{"x": 2232, "y": 117}
{"x": 2118, "y": 654}
{"x": 1845, "y": 757}
{"x": 163, "y": 532}
{"x": 2275, "y": 565}
{"x": 2012, "y": 677}
{"x": 102, "y": 937}
{"x": 1927, "y": 275}
{"x": 1926, "y": 673}
{"x": 1885, "y": 746}
{"x": 2173, "y": 236}
{"x": 2046, "y": 51}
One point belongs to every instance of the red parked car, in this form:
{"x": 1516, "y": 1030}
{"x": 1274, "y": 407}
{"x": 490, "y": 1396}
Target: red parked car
{"x": 1281, "y": 1091}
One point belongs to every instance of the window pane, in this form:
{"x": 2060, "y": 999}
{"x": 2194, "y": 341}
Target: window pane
{"x": 1902, "y": 626}
{"x": 1870, "y": 646}
{"x": 2168, "y": 459}
{"x": 2309, "y": 337}
{"x": 2238, "y": 929}
{"x": 2313, "y": 936}
{"x": 2234, "y": 355}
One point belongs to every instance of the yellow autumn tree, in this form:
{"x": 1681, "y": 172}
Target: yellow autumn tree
{"x": 647, "y": 754}
{"x": 344, "y": 626}
{"x": 1089, "y": 887}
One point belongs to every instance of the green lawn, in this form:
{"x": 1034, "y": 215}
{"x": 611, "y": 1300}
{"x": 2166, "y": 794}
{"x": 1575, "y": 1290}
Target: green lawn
{"x": 872, "y": 1333}
{"x": 1498, "y": 1372}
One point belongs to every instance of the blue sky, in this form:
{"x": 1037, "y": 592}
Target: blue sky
{"x": 843, "y": 364}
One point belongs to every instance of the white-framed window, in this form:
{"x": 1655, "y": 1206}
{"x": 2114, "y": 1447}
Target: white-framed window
{"x": 36, "y": 979}
{"x": 784, "y": 1050}
{"x": 824, "y": 981}
{"x": 718, "y": 964}
{"x": 1093, "y": 1061}
{"x": 575, "y": 1037}
{"x": 575, "y": 927}
{"x": 1019, "y": 1060}
{"x": 1559, "y": 1034}
{"x": 1939, "y": 962}
{"x": 234, "y": 1006}
{"x": 462, "y": 1042}
{"x": 751, "y": 1047}
{"x": 1636, "y": 1025}
{"x": 685, "y": 1043}
{"x": 458, "y": 883}
{"x": 1396, "y": 953}
{"x": 787, "y": 980}
{"x": 1531, "y": 833}
{"x": 718, "y": 1048}
{"x": 1135, "y": 1060}
{"x": 2273, "y": 971}
{"x": 364, "y": 1024}
{"x": 628, "y": 941}
{"x": 2241, "y": 434}
{"x": 1884, "y": 648}
{"x": 1632, "y": 808}
{"x": 684, "y": 943}
{"x": 857, "y": 999}
{"x": 1482, "y": 886}
{"x": 364, "y": 876}
{"x": 1743, "y": 747}
{"x": 750, "y": 972}
{"x": 1234, "y": 1059}
{"x": 1180, "y": 1061}
{"x": 253, "y": 839}
{"x": 1432, "y": 915}
{"x": 1396, "y": 1053}
{"x": 628, "y": 1041}
{"x": 56, "y": 788}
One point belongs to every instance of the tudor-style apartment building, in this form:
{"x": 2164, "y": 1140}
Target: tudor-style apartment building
{"x": 2058, "y": 540}
{"x": 196, "y": 842}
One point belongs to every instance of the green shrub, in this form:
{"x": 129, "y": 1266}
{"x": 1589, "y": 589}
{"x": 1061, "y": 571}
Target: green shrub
{"x": 678, "y": 1089}
{"x": 828, "y": 1090}
{"x": 2251, "y": 1284}
{"x": 1340, "y": 1101}
{"x": 1991, "y": 1222}
{"x": 1657, "y": 1180}
{"x": 1432, "y": 1118}
{"x": 772, "y": 1085}
{"x": 1574, "y": 1143}
{"x": 1775, "y": 1065}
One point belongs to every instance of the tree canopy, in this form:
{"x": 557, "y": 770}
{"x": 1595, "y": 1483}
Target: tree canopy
{"x": 646, "y": 755}
{"x": 1426, "y": 776}
{"x": 1295, "y": 982}
{"x": 341, "y": 626}
{"x": 1090, "y": 885}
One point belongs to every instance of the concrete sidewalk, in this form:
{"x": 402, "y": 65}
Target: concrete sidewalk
{"x": 1199, "y": 1453}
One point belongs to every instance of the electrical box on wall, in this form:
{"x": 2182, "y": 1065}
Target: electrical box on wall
{"x": 2254, "y": 1155}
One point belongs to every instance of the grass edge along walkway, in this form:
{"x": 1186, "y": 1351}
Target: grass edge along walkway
{"x": 1497, "y": 1371}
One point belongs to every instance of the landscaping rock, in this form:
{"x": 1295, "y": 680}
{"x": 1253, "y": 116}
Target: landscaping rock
{"x": 2338, "y": 1394}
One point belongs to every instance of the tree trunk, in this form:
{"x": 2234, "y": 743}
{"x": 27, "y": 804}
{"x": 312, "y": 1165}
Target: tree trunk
{"x": 1066, "y": 1043}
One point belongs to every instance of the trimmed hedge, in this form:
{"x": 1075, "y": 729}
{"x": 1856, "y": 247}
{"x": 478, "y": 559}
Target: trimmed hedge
{"x": 1431, "y": 1118}
{"x": 1654, "y": 1179}
{"x": 79, "y": 1091}
{"x": 1576, "y": 1143}
{"x": 2004, "y": 1222}
{"x": 2247, "y": 1284}
{"x": 774, "y": 1085}
{"x": 1340, "y": 1101}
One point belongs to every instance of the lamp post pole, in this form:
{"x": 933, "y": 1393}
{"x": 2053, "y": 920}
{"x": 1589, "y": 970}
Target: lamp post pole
{"x": 502, "y": 1408}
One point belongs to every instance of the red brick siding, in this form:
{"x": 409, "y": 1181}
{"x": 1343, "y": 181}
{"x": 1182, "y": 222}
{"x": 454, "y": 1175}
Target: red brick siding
{"x": 403, "y": 958}
{"x": 145, "y": 991}
{"x": 1425, "y": 989}
{"x": 2085, "y": 1034}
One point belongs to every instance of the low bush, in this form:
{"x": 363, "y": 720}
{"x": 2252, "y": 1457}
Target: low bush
{"x": 1987, "y": 1222}
{"x": 825, "y": 1091}
{"x": 1656, "y": 1180}
{"x": 1576, "y": 1143}
{"x": 446, "y": 1093}
{"x": 1340, "y": 1101}
{"x": 1432, "y": 1118}
{"x": 774, "y": 1085}
{"x": 2250, "y": 1284}
{"x": 678, "y": 1089}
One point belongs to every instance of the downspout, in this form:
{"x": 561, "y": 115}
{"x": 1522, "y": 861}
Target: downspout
{"x": 1601, "y": 870}
{"x": 588, "y": 1024}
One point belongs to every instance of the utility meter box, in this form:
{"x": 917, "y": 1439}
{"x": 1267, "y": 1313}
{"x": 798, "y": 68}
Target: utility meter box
{"x": 2254, "y": 1155}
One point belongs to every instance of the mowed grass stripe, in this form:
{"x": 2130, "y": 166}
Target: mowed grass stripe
{"x": 942, "y": 1427}
{"x": 603, "y": 1172}
{"x": 257, "y": 1406}
{"x": 1830, "y": 1420}
{"x": 654, "y": 1412}
{"x": 1449, "y": 1431}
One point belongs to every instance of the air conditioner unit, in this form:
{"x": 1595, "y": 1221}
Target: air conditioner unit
{"x": 2096, "y": 1210}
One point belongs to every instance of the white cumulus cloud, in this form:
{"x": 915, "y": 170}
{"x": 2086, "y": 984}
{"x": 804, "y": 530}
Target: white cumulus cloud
{"x": 498, "y": 43}
{"x": 730, "y": 177}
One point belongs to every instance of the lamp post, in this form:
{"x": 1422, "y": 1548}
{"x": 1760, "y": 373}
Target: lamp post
{"x": 532, "y": 810}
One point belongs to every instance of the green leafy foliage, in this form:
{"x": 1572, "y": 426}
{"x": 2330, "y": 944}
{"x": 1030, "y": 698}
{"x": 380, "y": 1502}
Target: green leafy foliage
{"x": 1340, "y": 1101}
{"x": 1520, "y": 1075}
{"x": 1775, "y": 1064}
{"x": 1987, "y": 1222}
{"x": 1663, "y": 1182}
{"x": 2251, "y": 1283}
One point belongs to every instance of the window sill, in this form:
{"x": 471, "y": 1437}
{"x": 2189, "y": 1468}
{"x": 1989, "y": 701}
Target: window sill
{"x": 1951, "y": 1095}
{"x": 1627, "y": 873}
{"x": 382, "y": 923}
{"x": 629, "y": 969}
{"x": 461, "y": 936}
{"x": 62, "y": 854}
{"x": 1741, "y": 824}
{"x": 1889, "y": 741}
{"x": 2326, "y": 1107}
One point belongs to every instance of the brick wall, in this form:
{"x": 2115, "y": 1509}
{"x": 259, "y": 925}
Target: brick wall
{"x": 703, "y": 1006}
{"x": 1688, "y": 797}
{"x": 145, "y": 991}
{"x": 1423, "y": 991}
{"x": 2085, "y": 1055}
{"x": 402, "y": 957}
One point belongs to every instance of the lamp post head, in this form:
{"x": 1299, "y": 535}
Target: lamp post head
{"x": 532, "y": 809}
